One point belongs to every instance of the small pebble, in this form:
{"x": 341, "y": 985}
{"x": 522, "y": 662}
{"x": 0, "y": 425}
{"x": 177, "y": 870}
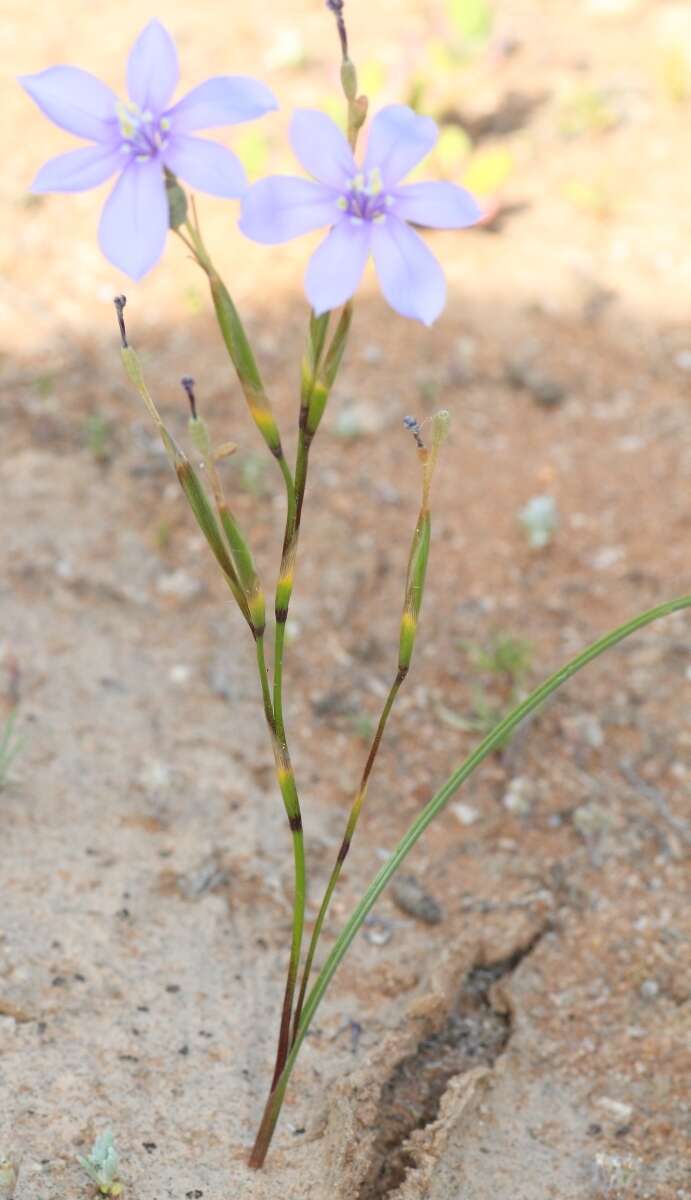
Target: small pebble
{"x": 179, "y": 673}
{"x": 586, "y": 728}
{"x": 154, "y": 777}
{"x": 606, "y": 557}
{"x": 465, "y": 813}
{"x": 378, "y": 931}
{"x": 411, "y": 898}
{"x": 649, "y": 989}
{"x": 519, "y": 796}
{"x": 591, "y": 819}
{"x": 615, "y": 1108}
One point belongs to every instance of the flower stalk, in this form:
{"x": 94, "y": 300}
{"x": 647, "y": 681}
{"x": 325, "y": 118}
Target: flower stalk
{"x": 415, "y": 584}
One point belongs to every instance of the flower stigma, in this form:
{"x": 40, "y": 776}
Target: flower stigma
{"x": 144, "y": 135}
{"x": 366, "y": 199}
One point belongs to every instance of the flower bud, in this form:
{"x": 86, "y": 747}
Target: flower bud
{"x": 349, "y": 80}
{"x": 415, "y": 586}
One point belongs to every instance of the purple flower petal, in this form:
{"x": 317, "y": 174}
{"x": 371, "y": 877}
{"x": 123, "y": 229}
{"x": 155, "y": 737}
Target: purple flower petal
{"x": 322, "y": 148}
{"x": 410, "y": 276}
{"x": 74, "y": 100}
{"x": 335, "y": 269}
{"x": 223, "y": 100}
{"x": 79, "y": 169}
{"x": 282, "y": 207}
{"x": 206, "y": 165}
{"x": 399, "y": 139}
{"x": 437, "y": 205}
{"x": 152, "y": 68}
{"x": 134, "y": 222}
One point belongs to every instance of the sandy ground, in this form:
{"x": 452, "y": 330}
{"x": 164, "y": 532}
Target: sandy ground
{"x": 533, "y": 1044}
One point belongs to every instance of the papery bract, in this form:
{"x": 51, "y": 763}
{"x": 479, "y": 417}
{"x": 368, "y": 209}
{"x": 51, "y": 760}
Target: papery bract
{"x": 141, "y": 138}
{"x": 369, "y": 210}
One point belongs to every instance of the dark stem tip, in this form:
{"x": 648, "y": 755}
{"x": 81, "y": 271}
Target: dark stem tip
{"x": 120, "y": 302}
{"x": 336, "y": 7}
{"x": 414, "y": 426}
{"x": 188, "y": 384}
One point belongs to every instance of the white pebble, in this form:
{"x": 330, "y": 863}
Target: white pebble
{"x": 465, "y": 813}
{"x": 615, "y": 1108}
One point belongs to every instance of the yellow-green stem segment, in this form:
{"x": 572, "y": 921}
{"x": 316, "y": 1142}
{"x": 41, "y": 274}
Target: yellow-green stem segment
{"x": 345, "y": 844}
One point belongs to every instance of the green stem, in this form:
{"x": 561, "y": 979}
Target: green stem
{"x": 408, "y": 841}
{"x": 345, "y": 844}
{"x": 295, "y": 489}
{"x": 279, "y": 647}
{"x": 264, "y": 681}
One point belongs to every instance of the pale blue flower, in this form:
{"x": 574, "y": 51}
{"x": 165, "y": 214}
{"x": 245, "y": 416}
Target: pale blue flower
{"x": 138, "y": 138}
{"x": 368, "y": 209}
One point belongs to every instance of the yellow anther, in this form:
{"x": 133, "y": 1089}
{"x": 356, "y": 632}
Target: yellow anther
{"x": 376, "y": 183}
{"x": 342, "y": 203}
{"x": 127, "y": 118}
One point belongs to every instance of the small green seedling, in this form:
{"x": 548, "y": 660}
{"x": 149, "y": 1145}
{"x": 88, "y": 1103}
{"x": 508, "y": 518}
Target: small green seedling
{"x": 97, "y": 435}
{"x": 10, "y": 745}
{"x": 506, "y": 656}
{"x": 508, "y": 659}
{"x": 101, "y": 1165}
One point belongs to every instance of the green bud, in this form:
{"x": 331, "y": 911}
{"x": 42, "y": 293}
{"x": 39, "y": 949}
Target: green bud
{"x": 242, "y": 555}
{"x": 349, "y": 80}
{"x": 204, "y": 516}
{"x": 243, "y": 360}
{"x": 201, "y": 439}
{"x": 133, "y": 368}
{"x": 317, "y": 404}
{"x": 415, "y": 586}
{"x": 328, "y": 371}
{"x": 177, "y": 203}
{"x": 319, "y": 327}
{"x": 358, "y": 112}
{"x": 441, "y": 424}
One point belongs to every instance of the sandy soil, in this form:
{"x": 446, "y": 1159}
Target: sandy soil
{"x": 534, "y": 1043}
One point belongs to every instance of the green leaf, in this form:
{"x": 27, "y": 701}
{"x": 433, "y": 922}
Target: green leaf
{"x": 494, "y": 739}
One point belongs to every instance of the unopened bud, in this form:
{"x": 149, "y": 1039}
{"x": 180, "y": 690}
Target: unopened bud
{"x": 441, "y": 424}
{"x": 199, "y": 433}
{"x": 177, "y": 203}
{"x": 349, "y": 80}
{"x": 358, "y": 112}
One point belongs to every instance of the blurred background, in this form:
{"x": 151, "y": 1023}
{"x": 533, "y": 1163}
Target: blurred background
{"x": 561, "y": 507}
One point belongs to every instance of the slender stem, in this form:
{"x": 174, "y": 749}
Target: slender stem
{"x": 250, "y": 380}
{"x": 345, "y": 844}
{"x": 295, "y": 490}
{"x": 301, "y": 465}
{"x": 264, "y": 681}
{"x": 408, "y": 841}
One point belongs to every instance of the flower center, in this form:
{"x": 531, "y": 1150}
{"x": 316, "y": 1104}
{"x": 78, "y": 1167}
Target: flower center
{"x": 366, "y": 199}
{"x": 143, "y": 134}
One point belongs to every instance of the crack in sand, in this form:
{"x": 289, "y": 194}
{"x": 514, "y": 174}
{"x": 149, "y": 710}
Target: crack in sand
{"x": 473, "y": 1034}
